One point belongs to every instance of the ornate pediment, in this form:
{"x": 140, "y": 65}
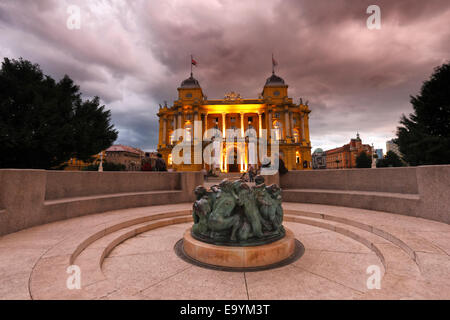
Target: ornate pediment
{"x": 232, "y": 96}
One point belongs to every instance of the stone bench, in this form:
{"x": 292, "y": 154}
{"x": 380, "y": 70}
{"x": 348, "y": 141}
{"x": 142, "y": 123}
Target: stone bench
{"x": 380, "y": 201}
{"x": 79, "y": 206}
{"x": 30, "y": 198}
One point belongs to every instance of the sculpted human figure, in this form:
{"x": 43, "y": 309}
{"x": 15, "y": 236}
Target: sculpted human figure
{"x": 276, "y": 211}
{"x": 201, "y": 210}
{"x": 269, "y": 203}
{"x": 247, "y": 200}
{"x": 221, "y": 217}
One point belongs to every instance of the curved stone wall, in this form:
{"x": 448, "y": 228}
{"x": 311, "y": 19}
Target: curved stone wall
{"x": 33, "y": 197}
{"x": 415, "y": 191}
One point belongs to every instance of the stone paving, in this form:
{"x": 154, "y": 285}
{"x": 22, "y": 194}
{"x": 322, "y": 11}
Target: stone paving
{"x": 128, "y": 254}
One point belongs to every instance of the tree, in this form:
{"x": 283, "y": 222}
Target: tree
{"x": 363, "y": 160}
{"x": 44, "y": 123}
{"x": 390, "y": 160}
{"x": 424, "y": 137}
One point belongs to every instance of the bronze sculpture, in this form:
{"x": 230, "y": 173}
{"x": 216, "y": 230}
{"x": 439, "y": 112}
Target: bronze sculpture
{"x": 234, "y": 214}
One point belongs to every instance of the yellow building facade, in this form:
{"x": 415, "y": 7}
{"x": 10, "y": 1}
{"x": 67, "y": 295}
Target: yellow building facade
{"x": 273, "y": 110}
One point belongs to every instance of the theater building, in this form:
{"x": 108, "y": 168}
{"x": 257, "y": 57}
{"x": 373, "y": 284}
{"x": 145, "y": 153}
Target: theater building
{"x": 273, "y": 109}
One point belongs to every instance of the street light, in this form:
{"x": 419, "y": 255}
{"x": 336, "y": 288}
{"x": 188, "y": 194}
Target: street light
{"x": 100, "y": 167}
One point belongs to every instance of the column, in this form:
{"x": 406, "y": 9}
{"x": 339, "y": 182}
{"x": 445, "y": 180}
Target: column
{"x": 164, "y": 130}
{"x": 269, "y": 125}
{"x": 206, "y": 122}
{"x": 175, "y": 121}
{"x": 160, "y": 132}
{"x": 179, "y": 120}
{"x": 223, "y": 124}
{"x": 242, "y": 124}
{"x": 195, "y": 133}
{"x": 306, "y": 125}
{"x": 242, "y": 134}
{"x": 260, "y": 124}
{"x": 291, "y": 119}
{"x": 286, "y": 124}
{"x": 302, "y": 119}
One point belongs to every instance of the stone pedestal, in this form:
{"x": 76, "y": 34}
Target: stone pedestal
{"x": 239, "y": 257}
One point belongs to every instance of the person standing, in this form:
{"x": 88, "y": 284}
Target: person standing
{"x": 282, "y": 168}
{"x": 251, "y": 173}
{"x": 160, "y": 164}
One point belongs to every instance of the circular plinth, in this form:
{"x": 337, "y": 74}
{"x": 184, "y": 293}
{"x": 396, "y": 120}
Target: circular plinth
{"x": 240, "y": 257}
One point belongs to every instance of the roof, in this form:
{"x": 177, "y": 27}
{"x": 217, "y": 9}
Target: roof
{"x": 339, "y": 149}
{"x": 274, "y": 80}
{"x": 122, "y": 148}
{"x": 190, "y": 83}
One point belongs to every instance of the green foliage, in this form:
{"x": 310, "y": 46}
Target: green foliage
{"x": 424, "y": 137}
{"x": 44, "y": 123}
{"x": 390, "y": 160}
{"x": 107, "y": 166}
{"x": 363, "y": 160}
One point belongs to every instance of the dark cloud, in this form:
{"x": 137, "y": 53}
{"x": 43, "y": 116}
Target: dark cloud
{"x": 134, "y": 54}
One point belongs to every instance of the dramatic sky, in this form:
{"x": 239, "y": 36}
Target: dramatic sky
{"x": 134, "y": 54}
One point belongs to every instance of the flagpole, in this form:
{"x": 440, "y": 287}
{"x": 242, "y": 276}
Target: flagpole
{"x": 191, "y": 66}
{"x": 273, "y": 65}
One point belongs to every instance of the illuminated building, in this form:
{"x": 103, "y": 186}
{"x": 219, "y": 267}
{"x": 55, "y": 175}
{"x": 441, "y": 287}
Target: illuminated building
{"x": 272, "y": 110}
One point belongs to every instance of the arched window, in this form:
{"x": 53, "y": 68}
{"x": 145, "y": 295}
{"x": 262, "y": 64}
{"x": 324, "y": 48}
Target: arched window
{"x": 296, "y": 136}
{"x": 171, "y": 138}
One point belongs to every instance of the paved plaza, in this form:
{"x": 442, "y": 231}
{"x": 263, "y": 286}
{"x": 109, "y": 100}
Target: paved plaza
{"x": 129, "y": 254}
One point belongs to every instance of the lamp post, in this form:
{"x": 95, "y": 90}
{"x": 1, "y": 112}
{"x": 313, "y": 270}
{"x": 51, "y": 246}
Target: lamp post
{"x": 100, "y": 167}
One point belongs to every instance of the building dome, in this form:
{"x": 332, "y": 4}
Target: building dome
{"x": 274, "y": 80}
{"x": 318, "y": 150}
{"x": 190, "y": 82}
